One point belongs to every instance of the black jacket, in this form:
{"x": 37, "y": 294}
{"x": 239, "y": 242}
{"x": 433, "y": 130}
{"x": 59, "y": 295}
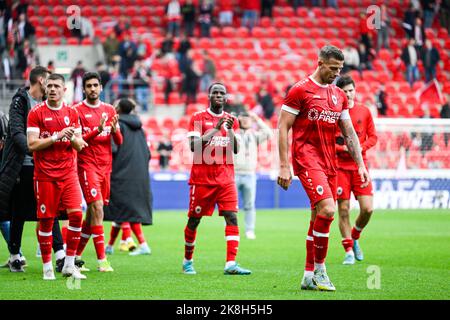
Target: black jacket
{"x": 434, "y": 57}
{"x": 14, "y": 150}
{"x": 131, "y": 196}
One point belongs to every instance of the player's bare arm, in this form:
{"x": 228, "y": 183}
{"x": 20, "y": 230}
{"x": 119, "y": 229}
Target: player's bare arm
{"x": 77, "y": 142}
{"x": 284, "y": 125}
{"x": 354, "y": 148}
{"x": 37, "y": 144}
{"x": 199, "y": 142}
{"x": 229, "y": 125}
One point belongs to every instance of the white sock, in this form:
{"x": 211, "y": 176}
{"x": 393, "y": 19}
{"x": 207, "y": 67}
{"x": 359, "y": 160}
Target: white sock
{"x": 350, "y": 253}
{"x": 14, "y": 257}
{"x": 229, "y": 264}
{"x": 320, "y": 266}
{"x": 144, "y": 245}
{"x": 308, "y": 274}
{"x": 60, "y": 254}
{"x": 101, "y": 260}
{"x": 48, "y": 265}
{"x": 185, "y": 260}
{"x": 70, "y": 261}
{"x": 78, "y": 257}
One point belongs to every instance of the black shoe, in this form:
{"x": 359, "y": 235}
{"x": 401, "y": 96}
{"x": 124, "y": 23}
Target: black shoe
{"x": 16, "y": 266}
{"x": 59, "y": 264}
{"x": 79, "y": 263}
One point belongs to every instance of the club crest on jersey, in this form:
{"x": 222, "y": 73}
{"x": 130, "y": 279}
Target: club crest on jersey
{"x": 313, "y": 114}
{"x": 198, "y": 209}
{"x": 66, "y": 120}
{"x": 43, "y": 208}
{"x": 94, "y": 192}
{"x": 319, "y": 190}
{"x": 333, "y": 97}
{"x": 339, "y": 191}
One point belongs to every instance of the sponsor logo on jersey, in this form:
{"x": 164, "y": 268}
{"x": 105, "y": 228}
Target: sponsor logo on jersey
{"x": 48, "y": 119}
{"x": 198, "y": 209}
{"x": 324, "y": 115}
{"x": 66, "y": 120}
{"x": 43, "y": 208}
{"x": 313, "y": 115}
{"x": 88, "y": 116}
{"x": 217, "y": 141}
{"x": 339, "y": 191}
{"x": 319, "y": 190}
{"x": 94, "y": 192}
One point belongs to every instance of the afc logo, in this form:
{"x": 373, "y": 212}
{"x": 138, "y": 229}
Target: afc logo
{"x": 43, "y": 208}
{"x": 339, "y": 191}
{"x": 94, "y": 192}
{"x": 313, "y": 115}
{"x": 66, "y": 120}
{"x": 198, "y": 209}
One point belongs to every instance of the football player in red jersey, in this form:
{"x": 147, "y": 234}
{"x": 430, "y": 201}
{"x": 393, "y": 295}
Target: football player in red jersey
{"x": 53, "y": 135}
{"x": 348, "y": 178}
{"x": 99, "y": 122}
{"x": 213, "y": 141}
{"x": 314, "y": 108}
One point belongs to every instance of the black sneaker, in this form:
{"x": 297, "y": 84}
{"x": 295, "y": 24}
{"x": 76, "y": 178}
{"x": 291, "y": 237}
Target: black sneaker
{"x": 79, "y": 263}
{"x": 16, "y": 266}
{"x": 59, "y": 264}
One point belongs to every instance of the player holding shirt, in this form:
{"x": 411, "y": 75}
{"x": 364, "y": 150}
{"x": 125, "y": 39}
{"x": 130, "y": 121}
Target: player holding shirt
{"x": 313, "y": 108}
{"x": 98, "y": 121}
{"x": 348, "y": 178}
{"x": 53, "y": 132}
{"x": 213, "y": 141}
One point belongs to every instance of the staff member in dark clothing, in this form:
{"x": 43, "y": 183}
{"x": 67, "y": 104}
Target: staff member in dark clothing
{"x": 131, "y": 197}
{"x": 17, "y": 200}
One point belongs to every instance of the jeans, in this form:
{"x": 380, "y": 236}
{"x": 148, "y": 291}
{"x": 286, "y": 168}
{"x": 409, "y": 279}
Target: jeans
{"x": 189, "y": 27}
{"x": 412, "y": 74}
{"x": 4, "y": 228}
{"x": 173, "y": 27}
{"x": 226, "y": 18}
{"x": 332, "y": 3}
{"x": 428, "y": 17}
{"x": 204, "y": 29}
{"x": 249, "y": 18}
{"x": 142, "y": 97}
{"x": 246, "y": 185}
{"x": 430, "y": 73}
{"x": 383, "y": 38}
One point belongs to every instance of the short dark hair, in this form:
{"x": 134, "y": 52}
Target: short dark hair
{"x": 345, "y": 81}
{"x": 56, "y": 76}
{"x": 91, "y": 75}
{"x": 126, "y": 105}
{"x": 37, "y": 72}
{"x": 216, "y": 83}
{"x": 331, "y": 52}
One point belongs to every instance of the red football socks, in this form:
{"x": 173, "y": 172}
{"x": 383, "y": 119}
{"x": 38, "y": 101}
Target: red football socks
{"x": 189, "y": 244}
{"x": 45, "y": 238}
{"x": 232, "y": 237}
{"x": 137, "y": 230}
{"x": 309, "y": 265}
{"x": 99, "y": 241}
{"x": 321, "y": 232}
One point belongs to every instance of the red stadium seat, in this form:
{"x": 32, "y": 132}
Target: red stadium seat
{"x": 57, "y": 41}
{"x": 86, "y": 41}
{"x": 116, "y": 11}
{"x": 48, "y": 22}
{"x": 102, "y": 11}
{"x": 53, "y": 32}
{"x": 58, "y": 11}
{"x": 265, "y": 22}
{"x": 73, "y": 41}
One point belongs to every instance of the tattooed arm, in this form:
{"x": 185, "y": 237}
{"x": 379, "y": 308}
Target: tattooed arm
{"x": 354, "y": 148}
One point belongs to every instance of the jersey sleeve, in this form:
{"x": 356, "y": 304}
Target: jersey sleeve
{"x": 292, "y": 103}
{"x": 195, "y": 127}
{"x": 33, "y": 123}
{"x": 372, "y": 137}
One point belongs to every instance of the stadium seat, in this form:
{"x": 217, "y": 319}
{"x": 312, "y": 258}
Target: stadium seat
{"x": 72, "y": 41}
{"x": 53, "y": 32}
{"x": 48, "y": 22}
{"x": 86, "y": 41}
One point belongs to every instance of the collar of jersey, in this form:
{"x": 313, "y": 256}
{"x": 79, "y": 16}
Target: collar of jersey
{"x": 52, "y": 108}
{"x": 91, "y": 105}
{"x": 320, "y": 85}
{"x": 214, "y": 114}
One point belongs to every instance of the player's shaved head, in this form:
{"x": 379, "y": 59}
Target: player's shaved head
{"x": 331, "y": 52}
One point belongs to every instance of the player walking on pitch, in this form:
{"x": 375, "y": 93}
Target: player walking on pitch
{"x": 53, "y": 131}
{"x": 99, "y": 122}
{"x": 348, "y": 178}
{"x": 313, "y": 108}
{"x": 213, "y": 141}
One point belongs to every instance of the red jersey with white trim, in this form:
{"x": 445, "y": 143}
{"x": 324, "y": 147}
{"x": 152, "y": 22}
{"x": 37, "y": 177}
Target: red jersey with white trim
{"x": 213, "y": 165}
{"x": 58, "y": 161}
{"x": 318, "y": 109}
{"x": 365, "y": 129}
{"x": 98, "y": 154}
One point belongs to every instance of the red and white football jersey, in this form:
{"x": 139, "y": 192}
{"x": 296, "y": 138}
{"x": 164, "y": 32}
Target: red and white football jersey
{"x": 58, "y": 161}
{"x": 213, "y": 165}
{"x": 97, "y": 155}
{"x": 318, "y": 109}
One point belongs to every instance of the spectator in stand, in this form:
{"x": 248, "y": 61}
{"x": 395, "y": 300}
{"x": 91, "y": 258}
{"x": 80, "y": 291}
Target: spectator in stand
{"x": 444, "y": 14}
{"x": 208, "y": 72}
{"x": 267, "y": 8}
{"x": 428, "y": 7}
{"x": 419, "y": 34}
{"x": 410, "y": 59}
{"x": 111, "y": 47}
{"x": 364, "y": 30}
{"x": 144, "y": 48}
{"x": 381, "y": 100}
{"x": 409, "y": 20}
{"x": 173, "y": 15}
{"x": 105, "y": 78}
{"x": 265, "y": 99}
{"x": 167, "y": 45}
{"x": 297, "y": 3}
{"x": 383, "y": 31}
{"x": 351, "y": 57}
{"x": 205, "y": 17}
{"x": 192, "y": 78}
{"x": 77, "y": 79}
{"x": 445, "y": 114}
{"x": 188, "y": 11}
{"x": 183, "y": 48}
{"x": 250, "y": 12}
{"x": 168, "y": 73}
{"x": 164, "y": 149}
{"x": 51, "y": 66}
{"x": 332, "y": 3}
{"x": 316, "y": 3}
{"x": 141, "y": 81}
{"x": 430, "y": 58}
{"x": 123, "y": 26}
{"x": 25, "y": 28}
{"x": 225, "y": 12}
{"x": 365, "y": 57}
{"x": 127, "y": 53}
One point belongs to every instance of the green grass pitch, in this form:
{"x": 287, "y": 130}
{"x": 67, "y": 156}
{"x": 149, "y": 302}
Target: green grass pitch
{"x": 410, "y": 248}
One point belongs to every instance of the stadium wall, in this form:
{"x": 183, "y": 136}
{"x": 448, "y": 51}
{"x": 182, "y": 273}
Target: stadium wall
{"x": 417, "y": 189}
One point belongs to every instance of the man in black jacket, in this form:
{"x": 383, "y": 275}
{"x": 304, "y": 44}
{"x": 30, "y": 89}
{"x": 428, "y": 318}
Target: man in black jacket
{"x": 430, "y": 58}
{"x": 17, "y": 200}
